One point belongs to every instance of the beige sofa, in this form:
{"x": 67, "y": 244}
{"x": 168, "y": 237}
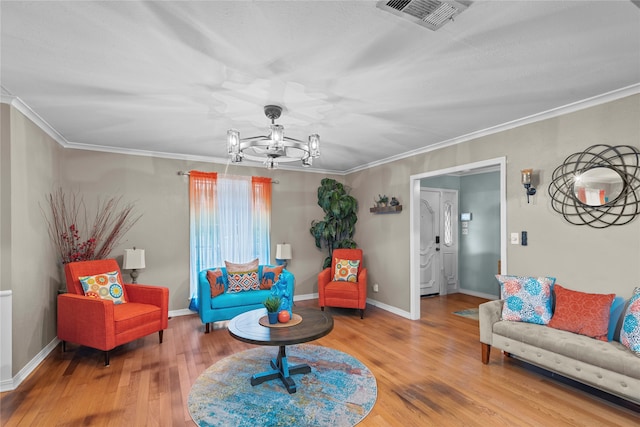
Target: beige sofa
{"x": 608, "y": 366}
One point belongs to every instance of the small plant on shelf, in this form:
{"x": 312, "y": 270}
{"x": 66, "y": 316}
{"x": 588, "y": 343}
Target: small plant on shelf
{"x": 382, "y": 200}
{"x": 272, "y": 303}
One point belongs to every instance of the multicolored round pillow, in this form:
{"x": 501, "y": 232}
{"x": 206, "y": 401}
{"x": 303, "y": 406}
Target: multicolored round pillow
{"x": 104, "y": 286}
{"x": 630, "y": 332}
{"x": 346, "y": 270}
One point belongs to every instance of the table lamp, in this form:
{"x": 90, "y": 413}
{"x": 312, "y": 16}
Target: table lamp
{"x": 133, "y": 260}
{"x": 283, "y": 254}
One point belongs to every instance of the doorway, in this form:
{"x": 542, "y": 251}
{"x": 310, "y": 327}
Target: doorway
{"x": 415, "y": 221}
{"x": 438, "y": 241}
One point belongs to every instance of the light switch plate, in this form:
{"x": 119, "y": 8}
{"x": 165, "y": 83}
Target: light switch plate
{"x": 515, "y": 238}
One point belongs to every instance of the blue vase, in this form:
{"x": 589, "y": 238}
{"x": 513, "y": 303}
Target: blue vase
{"x": 273, "y": 318}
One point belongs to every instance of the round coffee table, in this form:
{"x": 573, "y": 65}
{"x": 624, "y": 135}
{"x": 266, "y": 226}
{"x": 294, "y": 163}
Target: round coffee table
{"x": 246, "y": 327}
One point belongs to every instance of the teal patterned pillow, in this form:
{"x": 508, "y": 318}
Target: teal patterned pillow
{"x": 526, "y": 299}
{"x": 630, "y": 332}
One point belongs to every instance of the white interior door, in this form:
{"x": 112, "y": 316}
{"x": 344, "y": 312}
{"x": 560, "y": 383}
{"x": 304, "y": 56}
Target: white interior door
{"x": 429, "y": 234}
{"x": 438, "y": 241}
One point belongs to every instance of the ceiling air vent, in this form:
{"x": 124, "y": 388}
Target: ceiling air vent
{"x": 432, "y": 14}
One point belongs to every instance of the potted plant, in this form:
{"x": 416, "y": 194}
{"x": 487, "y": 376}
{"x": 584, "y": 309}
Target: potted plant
{"x": 272, "y": 304}
{"x": 382, "y": 201}
{"x": 337, "y": 229}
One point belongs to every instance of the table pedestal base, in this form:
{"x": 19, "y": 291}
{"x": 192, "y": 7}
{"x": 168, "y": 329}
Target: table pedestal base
{"x": 282, "y": 370}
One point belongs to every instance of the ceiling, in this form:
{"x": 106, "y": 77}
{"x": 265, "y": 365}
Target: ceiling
{"x": 168, "y": 78}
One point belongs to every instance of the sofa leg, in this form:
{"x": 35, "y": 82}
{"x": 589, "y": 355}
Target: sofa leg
{"x": 486, "y": 351}
{"x": 64, "y": 346}
{"x": 362, "y": 313}
{"x": 206, "y": 328}
{"x": 160, "y": 334}
{"x": 321, "y": 308}
{"x": 106, "y": 358}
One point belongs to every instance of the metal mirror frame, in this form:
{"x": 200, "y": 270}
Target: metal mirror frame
{"x": 623, "y": 159}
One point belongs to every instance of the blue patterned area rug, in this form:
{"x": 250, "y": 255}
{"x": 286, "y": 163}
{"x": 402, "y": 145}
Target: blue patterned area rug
{"x": 339, "y": 390}
{"x": 470, "y": 313}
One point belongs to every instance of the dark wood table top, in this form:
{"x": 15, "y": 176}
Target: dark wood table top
{"x": 315, "y": 324}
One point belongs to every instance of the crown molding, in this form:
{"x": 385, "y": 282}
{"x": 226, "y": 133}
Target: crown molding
{"x": 16, "y": 102}
{"x": 554, "y": 112}
{"x": 19, "y": 105}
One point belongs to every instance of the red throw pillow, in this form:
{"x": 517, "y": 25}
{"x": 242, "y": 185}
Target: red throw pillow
{"x": 582, "y": 313}
{"x": 216, "y": 282}
{"x": 270, "y": 276}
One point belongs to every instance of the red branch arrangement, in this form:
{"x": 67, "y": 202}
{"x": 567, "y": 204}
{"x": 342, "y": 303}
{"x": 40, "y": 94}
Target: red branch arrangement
{"x": 75, "y": 238}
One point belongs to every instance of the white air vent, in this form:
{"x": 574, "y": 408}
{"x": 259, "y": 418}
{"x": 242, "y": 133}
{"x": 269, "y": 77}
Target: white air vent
{"x": 432, "y": 14}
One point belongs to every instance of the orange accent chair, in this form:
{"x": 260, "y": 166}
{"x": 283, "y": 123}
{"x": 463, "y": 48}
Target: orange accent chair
{"x": 339, "y": 293}
{"x": 101, "y": 324}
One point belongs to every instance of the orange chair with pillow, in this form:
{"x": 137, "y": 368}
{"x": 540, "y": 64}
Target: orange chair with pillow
{"x": 102, "y": 312}
{"x": 344, "y": 284}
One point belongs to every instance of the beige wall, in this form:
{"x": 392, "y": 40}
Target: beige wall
{"x": 33, "y": 275}
{"x": 580, "y": 257}
{"x": 162, "y": 197}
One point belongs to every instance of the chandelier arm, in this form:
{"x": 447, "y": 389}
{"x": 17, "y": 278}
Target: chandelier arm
{"x": 286, "y": 138}
{"x": 250, "y": 138}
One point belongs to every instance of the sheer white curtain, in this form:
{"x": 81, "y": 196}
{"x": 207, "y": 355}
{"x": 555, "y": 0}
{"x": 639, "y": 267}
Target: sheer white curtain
{"x": 234, "y": 203}
{"x": 229, "y": 220}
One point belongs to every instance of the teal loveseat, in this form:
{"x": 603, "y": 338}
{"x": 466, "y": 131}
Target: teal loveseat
{"x": 228, "y": 305}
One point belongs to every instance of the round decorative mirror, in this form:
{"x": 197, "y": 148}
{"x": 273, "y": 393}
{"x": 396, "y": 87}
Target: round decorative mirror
{"x": 598, "y": 186}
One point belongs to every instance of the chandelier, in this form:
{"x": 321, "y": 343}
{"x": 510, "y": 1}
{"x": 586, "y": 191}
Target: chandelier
{"x": 275, "y": 148}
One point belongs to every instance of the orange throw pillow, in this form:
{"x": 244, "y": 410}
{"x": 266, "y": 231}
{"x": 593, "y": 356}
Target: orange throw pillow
{"x": 216, "y": 282}
{"x": 582, "y": 313}
{"x": 270, "y": 276}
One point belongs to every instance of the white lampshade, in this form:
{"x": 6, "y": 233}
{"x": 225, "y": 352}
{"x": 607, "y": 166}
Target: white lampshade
{"x": 133, "y": 259}
{"x": 283, "y": 251}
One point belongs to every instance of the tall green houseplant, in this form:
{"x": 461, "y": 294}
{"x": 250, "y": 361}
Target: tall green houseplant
{"x": 337, "y": 229}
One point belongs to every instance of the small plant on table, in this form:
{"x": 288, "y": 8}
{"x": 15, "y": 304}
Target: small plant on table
{"x": 272, "y": 303}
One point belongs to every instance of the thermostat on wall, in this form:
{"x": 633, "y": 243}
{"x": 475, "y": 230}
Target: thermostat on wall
{"x": 465, "y": 216}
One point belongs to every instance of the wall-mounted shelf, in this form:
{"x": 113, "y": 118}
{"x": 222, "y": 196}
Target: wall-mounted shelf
{"x": 386, "y": 209}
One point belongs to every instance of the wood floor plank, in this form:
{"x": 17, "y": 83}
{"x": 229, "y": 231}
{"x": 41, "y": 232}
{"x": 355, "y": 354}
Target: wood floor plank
{"x": 428, "y": 372}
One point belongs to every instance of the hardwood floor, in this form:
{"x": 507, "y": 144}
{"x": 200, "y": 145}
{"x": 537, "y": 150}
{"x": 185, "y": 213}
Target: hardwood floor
{"x": 428, "y": 373}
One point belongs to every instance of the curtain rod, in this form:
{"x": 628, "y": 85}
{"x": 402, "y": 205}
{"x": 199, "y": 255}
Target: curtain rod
{"x": 183, "y": 173}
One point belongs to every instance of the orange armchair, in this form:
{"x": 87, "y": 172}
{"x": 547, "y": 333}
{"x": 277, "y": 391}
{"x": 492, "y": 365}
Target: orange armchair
{"x": 340, "y": 293}
{"x": 101, "y": 324}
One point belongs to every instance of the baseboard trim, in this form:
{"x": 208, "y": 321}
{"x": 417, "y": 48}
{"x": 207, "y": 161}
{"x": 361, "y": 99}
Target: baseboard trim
{"x": 478, "y": 294}
{"x": 13, "y": 383}
{"x": 181, "y": 312}
{"x": 389, "y": 308}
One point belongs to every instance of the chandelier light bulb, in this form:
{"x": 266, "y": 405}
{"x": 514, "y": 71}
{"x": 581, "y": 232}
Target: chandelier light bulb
{"x": 314, "y": 145}
{"x": 277, "y": 135}
{"x": 233, "y": 142}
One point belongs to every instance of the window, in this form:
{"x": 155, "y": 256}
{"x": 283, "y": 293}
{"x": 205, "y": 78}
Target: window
{"x": 448, "y": 229}
{"x": 229, "y": 220}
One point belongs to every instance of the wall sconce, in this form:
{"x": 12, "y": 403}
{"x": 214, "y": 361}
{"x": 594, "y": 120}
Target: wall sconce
{"x": 526, "y": 181}
{"x": 283, "y": 253}
{"x": 133, "y": 260}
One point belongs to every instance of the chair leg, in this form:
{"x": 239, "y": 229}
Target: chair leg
{"x": 106, "y": 358}
{"x": 160, "y": 334}
{"x": 206, "y": 328}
